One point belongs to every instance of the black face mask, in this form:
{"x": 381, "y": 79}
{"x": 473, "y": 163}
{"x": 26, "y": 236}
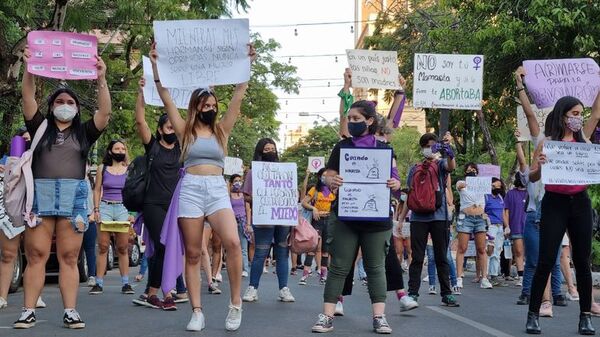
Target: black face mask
{"x": 471, "y": 174}
{"x": 169, "y": 138}
{"x": 207, "y": 117}
{"x": 27, "y": 144}
{"x": 496, "y": 191}
{"x": 118, "y": 157}
{"x": 269, "y": 156}
{"x": 356, "y": 129}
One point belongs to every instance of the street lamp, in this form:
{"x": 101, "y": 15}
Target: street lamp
{"x": 308, "y": 114}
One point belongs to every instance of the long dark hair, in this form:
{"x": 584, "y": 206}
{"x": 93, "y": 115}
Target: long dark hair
{"x": 556, "y": 128}
{"x": 108, "y": 159}
{"x": 367, "y": 109}
{"x": 49, "y": 137}
{"x": 258, "y": 150}
{"x": 162, "y": 120}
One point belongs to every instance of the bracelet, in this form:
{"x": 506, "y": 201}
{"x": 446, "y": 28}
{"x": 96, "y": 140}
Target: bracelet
{"x": 520, "y": 89}
{"x": 398, "y": 92}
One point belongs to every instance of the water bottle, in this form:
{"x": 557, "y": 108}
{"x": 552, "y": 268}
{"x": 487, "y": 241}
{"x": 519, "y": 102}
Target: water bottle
{"x": 508, "y": 249}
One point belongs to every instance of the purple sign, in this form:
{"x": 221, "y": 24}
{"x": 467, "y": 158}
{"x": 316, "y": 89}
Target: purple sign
{"x": 488, "y": 170}
{"x": 549, "y": 80}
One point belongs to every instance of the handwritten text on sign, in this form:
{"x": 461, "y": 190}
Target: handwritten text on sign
{"x": 274, "y": 193}
{"x": 68, "y": 56}
{"x": 571, "y": 163}
{"x": 199, "y": 53}
{"x": 373, "y": 68}
{"x": 448, "y": 81}
{"x": 180, "y": 96}
{"x": 540, "y": 115}
{"x": 233, "y": 166}
{"x": 549, "y": 80}
{"x": 479, "y": 185}
{"x": 361, "y": 165}
{"x": 364, "y": 201}
{"x": 316, "y": 163}
{"x": 489, "y": 170}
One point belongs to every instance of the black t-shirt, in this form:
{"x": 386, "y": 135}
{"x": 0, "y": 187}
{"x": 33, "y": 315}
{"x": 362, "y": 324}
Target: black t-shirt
{"x": 164, "y": 173}
{"x": 334, "y": 164}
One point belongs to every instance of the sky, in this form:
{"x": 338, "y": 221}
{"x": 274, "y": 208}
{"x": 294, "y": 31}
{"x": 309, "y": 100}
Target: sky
{"x": 315, "y": 72}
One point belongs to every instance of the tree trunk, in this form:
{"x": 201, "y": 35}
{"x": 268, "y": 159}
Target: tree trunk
{"x": 487, "y": 137}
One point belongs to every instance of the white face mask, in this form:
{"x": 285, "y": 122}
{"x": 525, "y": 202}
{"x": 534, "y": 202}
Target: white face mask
{"x": 65, "y": 112}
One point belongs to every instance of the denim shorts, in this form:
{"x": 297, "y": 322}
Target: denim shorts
{"x": 62, "y": 198}
{"x": 202, "y": 196}
{"x": 113, "y": 211}
{"x": 516, "y": 236}
{"x": 471, "y": 224}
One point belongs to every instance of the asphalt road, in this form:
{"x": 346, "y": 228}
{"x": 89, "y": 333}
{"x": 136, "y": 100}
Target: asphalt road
{"x": 482, "y": 313}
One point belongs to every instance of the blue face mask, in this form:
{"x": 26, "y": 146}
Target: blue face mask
{"x": 357, "y": 129}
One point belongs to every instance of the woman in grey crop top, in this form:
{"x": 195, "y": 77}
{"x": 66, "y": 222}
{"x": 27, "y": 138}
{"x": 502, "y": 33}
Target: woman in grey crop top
{"x": 203, "y": 192}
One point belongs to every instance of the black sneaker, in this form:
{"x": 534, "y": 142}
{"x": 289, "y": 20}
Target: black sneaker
{"x": 523, "y": 300}
{"x": 72, "y": 320}
{"x": 26, "y": 321}
{"x": 96, "y": 290}
{"x": 560, "y": 301}
{"x": 127, "y": 290}
{"x": 450, "y": 301}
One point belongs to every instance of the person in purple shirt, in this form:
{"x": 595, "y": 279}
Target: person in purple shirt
{"x": 494, "y": 208}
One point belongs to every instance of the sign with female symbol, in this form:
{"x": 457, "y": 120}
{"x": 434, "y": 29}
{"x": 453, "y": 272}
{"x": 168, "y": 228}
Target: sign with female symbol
{"x": 315, "y": 164}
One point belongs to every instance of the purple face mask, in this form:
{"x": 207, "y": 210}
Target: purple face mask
{"x": 574, "y": 123}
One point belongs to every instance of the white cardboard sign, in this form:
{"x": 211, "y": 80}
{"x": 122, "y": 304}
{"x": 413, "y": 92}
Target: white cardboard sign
{"x": 274, "y": 193}
{"x": 233, "y": 166}
{"x": 479, "y": 185}
{"x": 523, "y": 125}
{"x": 570, "y": 163}
{"x": 366, "y": 165}
{"x": 180, "y": 96}
{"x": 373, "y": 68}
{"x": 316, "y": 163}
{"x": 364, "y": 201}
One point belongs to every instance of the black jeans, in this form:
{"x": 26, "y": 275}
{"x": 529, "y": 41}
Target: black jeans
{"x": 419, "y": 232}
{"x": 154, "y": 216}
{"x": 572, "y": 213}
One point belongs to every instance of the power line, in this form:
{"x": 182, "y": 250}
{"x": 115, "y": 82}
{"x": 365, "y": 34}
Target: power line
{"x": 312, "y": 24}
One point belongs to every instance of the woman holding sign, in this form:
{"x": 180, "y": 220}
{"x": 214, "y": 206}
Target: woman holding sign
{"x": 59, "y": 174}
{"x": 564, "y": 208}
{"x": 372, "y": 237}
{"x": 202, "y": 193}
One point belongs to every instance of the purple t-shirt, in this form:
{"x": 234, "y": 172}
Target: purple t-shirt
{"x": 515, "y": 204}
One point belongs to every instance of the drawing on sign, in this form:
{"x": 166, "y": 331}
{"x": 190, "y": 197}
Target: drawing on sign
{"x": 365, "y": 165}
{"x": 371, "y": 204}
{"x": 373, "y": 172}
{"x": 315, "y": 164}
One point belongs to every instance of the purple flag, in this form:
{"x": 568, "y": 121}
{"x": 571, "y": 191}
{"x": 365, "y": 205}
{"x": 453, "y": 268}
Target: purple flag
{"x": 170, "y": 236}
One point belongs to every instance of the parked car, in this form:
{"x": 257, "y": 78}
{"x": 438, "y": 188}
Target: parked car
{"x": 134, "y": 250}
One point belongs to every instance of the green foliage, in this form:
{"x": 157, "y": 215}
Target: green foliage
{"x": 405, "y": 142}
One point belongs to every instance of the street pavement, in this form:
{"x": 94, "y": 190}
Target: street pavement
{"x": 481, "y": 313}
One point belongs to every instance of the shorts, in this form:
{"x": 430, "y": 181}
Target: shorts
{"x": 516, "y": 236}
{"x": 113, "y": 211}
{"x": 65, "y": 198}
{"x": 321, "y": 227}
{"x": 471, "y": 224}
{"x": 202, "y": 196}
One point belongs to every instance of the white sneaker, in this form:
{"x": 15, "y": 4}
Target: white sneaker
{"x": 285, "y": 295}
{"x": 40, "y": 303}
{"x": 91, "y": 281}
{"x": 339, "y": 309}
{"x": 265, "y": 270}
{"x": 519, "y": 281}
{"x": 219, "y": 278}
{"x": 456, "y": 290}
{"x": 432, "y": 290}
{"x": 251, "y": 295}
{"x": 426, "y": 278}
{"x": 3, "y": 303}
{"x": 408, "y": 303}
{"x": 486, "y": 284}
{"x": 459, "y": 282}
{"x": 196, "y": 322}
{"x": 234, "y": 318}
{"x": 244, "y": 274}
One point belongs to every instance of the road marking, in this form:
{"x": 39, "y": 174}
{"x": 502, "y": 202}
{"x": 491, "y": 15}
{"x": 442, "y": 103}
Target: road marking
{"x": 476, "y": 325}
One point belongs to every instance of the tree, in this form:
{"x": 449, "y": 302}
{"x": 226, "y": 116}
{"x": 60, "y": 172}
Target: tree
{"x": 405, "y": 142}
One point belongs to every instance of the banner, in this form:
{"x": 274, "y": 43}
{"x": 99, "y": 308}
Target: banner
{"x": 316, "y": 163}
{"x": 274, "y": 193}
{"x": 65, "y": 56}
{"x": 479, "y": 185}
{"x": 448, "y": 81}
{"x": 523, "y": 125}
{"x": 373, "y": 68}
{"x": 489, "y": 170}
{"x": 233, "y": 166}
{"x": 549, "y": 80}
{"x": 201, "y": 53}
{"x": 180, "y": 96}
{"x": 570, "y": 163}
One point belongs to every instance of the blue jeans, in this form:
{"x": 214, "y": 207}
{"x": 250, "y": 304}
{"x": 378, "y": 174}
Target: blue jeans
{"x": 264, "y": 236}
{"x": 431, "y": 266}
{"x": 244, "y": 242}
{"x": 531, "y": 240}
{"x": 143, "y": 265}
{"x": 362, "y": 274}
{"x": 180, "y": 285}
{"x": 89, "y": 248}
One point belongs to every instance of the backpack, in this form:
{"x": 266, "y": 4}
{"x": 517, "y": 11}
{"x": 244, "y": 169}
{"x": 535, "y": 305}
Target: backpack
{"x": 18, "y": 184}
{"x": 425, "y": 193}
{"x": 303, "y": 237}
{"x": 138, "y": 180}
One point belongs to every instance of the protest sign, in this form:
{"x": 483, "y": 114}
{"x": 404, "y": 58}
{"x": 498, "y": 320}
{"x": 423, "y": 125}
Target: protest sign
{"x": 200, "y": 53}
{"x": 274, "y": 193}
{"x": 316, "y": 163}
{"x": 363, "y": 202}
{"x": 523, "y": 125}
{"x": 479, "y": 185}
{"x": 549, "y": 80}
{"x": 570, "y": 163}
{"x": 66, "y": 56}
{"x": 488, "y": 170}
{"x": 180, "y": 96}
{"x": 366, "y": 165}
{"x": 233, "y": 166}
{"x": 448, "y": 81}
{"x": 373, "y": 68}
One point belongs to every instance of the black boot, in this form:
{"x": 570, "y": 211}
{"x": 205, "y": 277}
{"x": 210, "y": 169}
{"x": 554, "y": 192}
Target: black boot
{"x": 533, "y": 323}
{"x": 585, "y": 324}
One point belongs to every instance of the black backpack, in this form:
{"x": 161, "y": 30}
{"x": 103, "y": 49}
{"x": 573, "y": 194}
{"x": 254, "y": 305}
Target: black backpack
{"x": 138, "y": 180}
